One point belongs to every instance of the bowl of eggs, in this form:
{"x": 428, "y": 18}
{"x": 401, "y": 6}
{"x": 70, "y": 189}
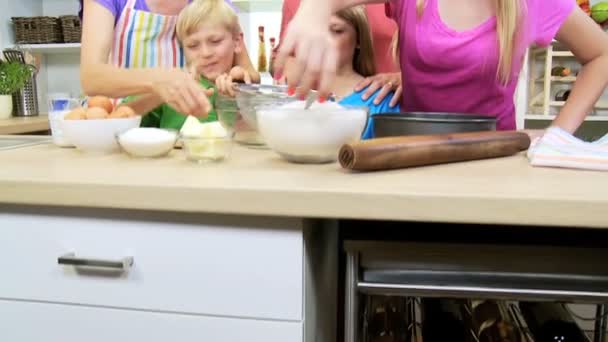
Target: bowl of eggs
{"x": 94, "y": 128}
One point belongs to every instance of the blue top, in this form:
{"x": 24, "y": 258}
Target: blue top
{"x": 384, "y": 107}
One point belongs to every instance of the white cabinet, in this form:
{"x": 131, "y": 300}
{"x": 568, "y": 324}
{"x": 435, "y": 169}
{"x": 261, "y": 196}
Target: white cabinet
{"x": 235, "y": 269}
{"x": 193, "y": 277}
{"x": 36, "y": 322}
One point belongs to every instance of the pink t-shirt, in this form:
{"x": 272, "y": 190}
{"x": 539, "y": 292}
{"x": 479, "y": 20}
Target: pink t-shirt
{"x": 445, "y": 70}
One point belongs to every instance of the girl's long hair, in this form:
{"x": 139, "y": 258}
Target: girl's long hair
{"x": 363, "y": 60}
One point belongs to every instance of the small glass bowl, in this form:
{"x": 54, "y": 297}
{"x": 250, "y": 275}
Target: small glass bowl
{"x": 207, "y": 150}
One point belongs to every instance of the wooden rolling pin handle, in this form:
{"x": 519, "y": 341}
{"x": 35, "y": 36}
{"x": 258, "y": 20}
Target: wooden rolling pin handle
{"x": 410, "y": 151}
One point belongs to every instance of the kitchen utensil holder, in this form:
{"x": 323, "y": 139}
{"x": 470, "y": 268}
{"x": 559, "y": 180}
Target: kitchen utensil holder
{"x": 25, "y": 101}
{"x": 14, "y": 56}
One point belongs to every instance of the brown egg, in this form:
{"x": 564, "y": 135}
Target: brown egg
{"x": 101, "y": 102}
{"x": 76, "y": 114}
{"x": 96, "y": 113}
{"x": 122, "y": 112}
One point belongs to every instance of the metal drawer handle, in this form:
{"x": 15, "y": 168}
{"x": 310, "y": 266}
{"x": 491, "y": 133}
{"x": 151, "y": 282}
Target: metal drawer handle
{"x": 70, "y": 259}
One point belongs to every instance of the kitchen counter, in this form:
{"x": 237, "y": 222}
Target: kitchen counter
{"x": 20, "y": 125}
{"x": 257, "y": 182}
{"x": 246, "y": 249}
{"x": 156, "y": 248}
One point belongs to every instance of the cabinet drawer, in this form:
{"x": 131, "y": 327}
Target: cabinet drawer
{"x": 33, "y": 322}
{"x": 213, "y": 265}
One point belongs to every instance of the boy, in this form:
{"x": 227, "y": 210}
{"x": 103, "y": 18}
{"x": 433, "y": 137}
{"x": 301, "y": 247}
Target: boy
{"x": 210, "y": 34}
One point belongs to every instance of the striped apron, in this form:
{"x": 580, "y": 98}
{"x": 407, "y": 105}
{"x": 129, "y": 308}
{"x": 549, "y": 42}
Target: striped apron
{"x": 145, "y": 40}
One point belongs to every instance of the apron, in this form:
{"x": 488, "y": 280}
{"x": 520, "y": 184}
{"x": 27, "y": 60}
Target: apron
{"x": 145, "y": 40}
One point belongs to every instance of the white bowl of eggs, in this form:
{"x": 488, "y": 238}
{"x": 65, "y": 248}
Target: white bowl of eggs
{"x": 94, "y": 128}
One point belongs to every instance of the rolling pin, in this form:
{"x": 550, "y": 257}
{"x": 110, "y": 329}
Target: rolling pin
{"x": 419, "y": 150}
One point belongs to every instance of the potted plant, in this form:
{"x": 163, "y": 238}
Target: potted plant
{"x": 13, "y": 77}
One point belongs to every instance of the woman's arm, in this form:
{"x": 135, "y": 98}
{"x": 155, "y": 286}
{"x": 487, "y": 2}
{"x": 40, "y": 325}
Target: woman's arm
{"x": 590, "y": 46}
{"x": 307, "y": 39}
{"x": 97, "y": 76}
{"x": 174, "y": 86}
{"x": 144, "y": 104}
{"x": 288, "y": 11}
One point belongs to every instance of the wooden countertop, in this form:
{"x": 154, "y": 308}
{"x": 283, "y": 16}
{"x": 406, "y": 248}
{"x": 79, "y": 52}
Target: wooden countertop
{"x": 20, "y": 125}
{"x": 499, "y": 191}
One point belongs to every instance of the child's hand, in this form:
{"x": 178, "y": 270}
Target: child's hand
{"x": 225, "y": 82}
{"x": 224, "y": 85}
{"x": 238, "y": 73}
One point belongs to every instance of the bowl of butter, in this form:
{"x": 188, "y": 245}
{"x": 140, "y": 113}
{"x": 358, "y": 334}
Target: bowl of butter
{"x": 205, "y": 142}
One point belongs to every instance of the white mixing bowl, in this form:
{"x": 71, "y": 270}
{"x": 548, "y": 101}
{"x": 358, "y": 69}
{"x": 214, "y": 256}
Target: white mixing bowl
{"x": 98, "y": 136}
{"x": 314, "y": 135}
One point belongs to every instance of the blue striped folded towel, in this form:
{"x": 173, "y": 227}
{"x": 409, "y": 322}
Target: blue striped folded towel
{"x": 558, "y": 148}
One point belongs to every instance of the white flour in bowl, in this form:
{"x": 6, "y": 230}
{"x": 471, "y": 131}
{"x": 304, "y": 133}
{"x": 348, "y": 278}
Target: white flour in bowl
{"x": 311, "y": 135}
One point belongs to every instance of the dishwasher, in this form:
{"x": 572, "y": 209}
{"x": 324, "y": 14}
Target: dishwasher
{"x": 476, "y": 289}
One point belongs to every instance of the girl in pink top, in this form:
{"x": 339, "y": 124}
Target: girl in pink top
{"x": 463, "y": 55}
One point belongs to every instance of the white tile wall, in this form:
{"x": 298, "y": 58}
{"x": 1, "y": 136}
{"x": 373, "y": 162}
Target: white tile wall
{"x": 272, "y": 28}
{"x": 61, "y": 72}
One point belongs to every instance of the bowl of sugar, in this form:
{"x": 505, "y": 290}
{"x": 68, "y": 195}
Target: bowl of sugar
{"x": 146, "y": 142}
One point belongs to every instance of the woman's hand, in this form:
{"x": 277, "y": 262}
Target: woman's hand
{"x": 534, "y": 133}
{"x": 316, "y": 56}
{"x": 387, "y": 82}
{"x": 181, "y": 91}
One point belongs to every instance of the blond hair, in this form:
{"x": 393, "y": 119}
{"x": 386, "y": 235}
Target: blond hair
{"x": 363, "y": 61}
{"x": 508, "y": 16}
{"x": 213, "y": 12}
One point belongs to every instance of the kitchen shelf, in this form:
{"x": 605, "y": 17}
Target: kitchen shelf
{"x": 557, "y": 79}
{"x": 258, "y": 5}
{"x": 65, "y": 48}
{"x": 562, "y": 54}
{"x": 599, "y": 105}
{"x": 542, "y": 85}
{"x": 552, "y": 117}
{"x": 556, "y": 53}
